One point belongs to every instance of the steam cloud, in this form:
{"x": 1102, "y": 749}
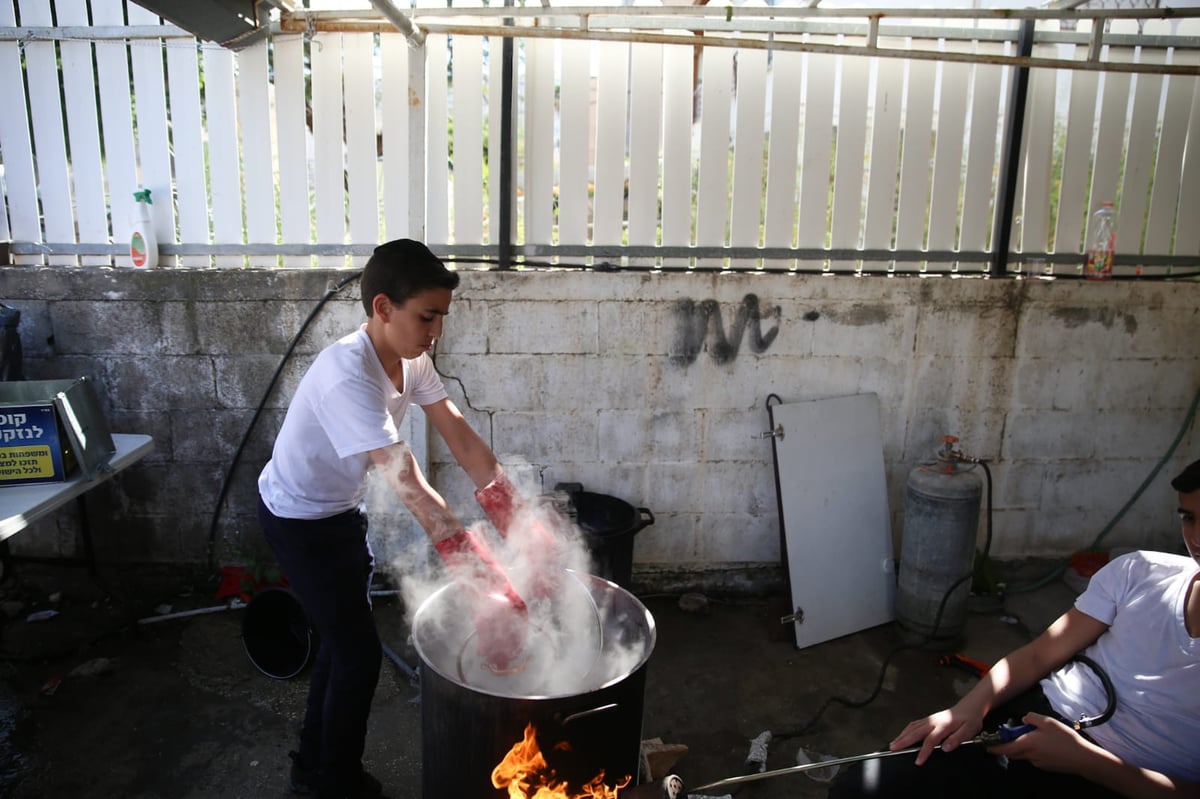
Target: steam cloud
{"x": 572, "y": 645}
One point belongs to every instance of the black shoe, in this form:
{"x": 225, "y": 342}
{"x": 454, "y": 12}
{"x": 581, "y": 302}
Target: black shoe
{"x": 302, "y": 780}
{"x": 360, "y": 786}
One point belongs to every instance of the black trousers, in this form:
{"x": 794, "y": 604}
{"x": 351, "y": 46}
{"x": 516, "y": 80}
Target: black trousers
{"x": 969, "y": 771}
{"x": 328, "y": 564}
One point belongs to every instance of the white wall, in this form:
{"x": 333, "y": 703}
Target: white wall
{"x": 1071, "y": 390}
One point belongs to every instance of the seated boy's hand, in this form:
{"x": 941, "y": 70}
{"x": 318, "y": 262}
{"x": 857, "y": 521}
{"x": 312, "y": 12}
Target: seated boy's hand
{"x": 946, "y": 728}
{"x": 1053, "y": 746}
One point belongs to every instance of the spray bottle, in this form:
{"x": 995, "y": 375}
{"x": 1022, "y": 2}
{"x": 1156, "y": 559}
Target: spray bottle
{"x": 143, "y": 246}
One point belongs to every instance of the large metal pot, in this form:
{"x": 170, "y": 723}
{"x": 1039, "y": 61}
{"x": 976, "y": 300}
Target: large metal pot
{"x": 583, "y": 693}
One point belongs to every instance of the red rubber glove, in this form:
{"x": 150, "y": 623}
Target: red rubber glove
{"x": 498, "y": 612}
{"x": 504, "y": 506}
{"x": 501, "y": 502}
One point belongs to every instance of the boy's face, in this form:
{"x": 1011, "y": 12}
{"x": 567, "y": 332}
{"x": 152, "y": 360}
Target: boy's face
{"x": 412, "y": 327}
{"x": 1189, "y": 509}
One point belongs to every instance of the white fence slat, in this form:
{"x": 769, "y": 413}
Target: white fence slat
{"x": 645, "y": 129}
{"x": 612, "y": 113}
{"x": 944, "y": 212}
{"x": 362, "y": 161}
{"x": 879, "y": 224}
{"x": 1077, "y": 152}
{"x": 116, "y": 113}
{"x": 1139, "y": 160}
{"x": 1019, "y": 184}
{"x": 575, "y": 143}
{"x": 79, "y": 98}
{"x": 495, "y": 125}
{"x": 254, "y": 129}
{"x": 468, "y": 139}
{"x": 224, "y": 163}
{"x": 783, "y": 149}
{"x": 394, "y": 110}
{"x": 1039, "y": 154}
{"x": 749, "y": 146}
{"x": 187, "y": 136}
{"x": 847, "y": 213}
{"x": 50, "y": 150}
{"x": 418, "y": 177}
{"x": 292, "y": 145}
{"x": 437, "y": 142}
{"x": 677, "y": 146}
{"x": 712, "y": 201}
{"x": 1109, "y": 140}
{"x": 153, "y": 146}
{"x": 914, "y": 159}
{"x": 20, "y": 185}
{"x": 1168, "y": 167}
{"x": 1187, "y": 232}
{"x": 817, "y": 149}
{"x": 539, "y": 140}
{"x": 1164, "y": 191}
{"x": 325, "y": 55}
{"x": 979, "y": 184}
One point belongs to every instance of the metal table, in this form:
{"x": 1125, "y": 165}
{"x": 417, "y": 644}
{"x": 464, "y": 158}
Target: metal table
{"x": 21, "y": 505}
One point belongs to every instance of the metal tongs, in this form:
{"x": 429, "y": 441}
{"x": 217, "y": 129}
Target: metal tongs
{"x": 673, "y": 786}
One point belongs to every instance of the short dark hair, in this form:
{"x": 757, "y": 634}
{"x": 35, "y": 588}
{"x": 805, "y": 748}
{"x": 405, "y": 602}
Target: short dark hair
{"x": 401, "y": 269}
{"x": 1188, "y": 480}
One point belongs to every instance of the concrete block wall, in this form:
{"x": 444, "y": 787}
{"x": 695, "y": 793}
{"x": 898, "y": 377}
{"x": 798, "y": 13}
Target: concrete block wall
{"x": 648, "y": 387}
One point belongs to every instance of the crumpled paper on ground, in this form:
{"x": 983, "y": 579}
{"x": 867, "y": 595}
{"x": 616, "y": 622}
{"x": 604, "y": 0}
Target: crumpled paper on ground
{"x": 804, "y": 757}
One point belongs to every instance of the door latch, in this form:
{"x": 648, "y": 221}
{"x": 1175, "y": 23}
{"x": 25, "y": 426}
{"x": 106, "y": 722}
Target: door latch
{"x": 776, "y": 433}
{"x": 793, "y": 618}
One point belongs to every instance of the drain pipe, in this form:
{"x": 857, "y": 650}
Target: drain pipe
{"x": 1011, "y": 156}
{"x": 505, "y": 223}
{"x": 415, "y": 36}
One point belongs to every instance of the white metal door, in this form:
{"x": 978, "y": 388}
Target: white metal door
{"x": 833, "y": 500}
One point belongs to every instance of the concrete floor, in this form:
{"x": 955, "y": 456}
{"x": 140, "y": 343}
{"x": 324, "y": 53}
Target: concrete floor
{"x": 179, "y": 711}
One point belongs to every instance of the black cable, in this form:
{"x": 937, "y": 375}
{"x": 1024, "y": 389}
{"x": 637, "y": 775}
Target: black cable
{"x": 608, "y": 266}
{"x": 237, "y": 456}
{"x": 1110, "y": 695}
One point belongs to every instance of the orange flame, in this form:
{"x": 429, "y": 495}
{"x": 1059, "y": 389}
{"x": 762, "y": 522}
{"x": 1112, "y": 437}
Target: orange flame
{"x": 526, "y": 775}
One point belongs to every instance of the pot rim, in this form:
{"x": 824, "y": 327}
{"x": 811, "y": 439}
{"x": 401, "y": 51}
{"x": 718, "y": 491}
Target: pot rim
{"x": 651, "y": 639}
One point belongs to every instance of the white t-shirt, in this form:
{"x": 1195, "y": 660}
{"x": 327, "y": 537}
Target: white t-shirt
{"x": 344, "y": 407}
{"x": 1153, "y": 664}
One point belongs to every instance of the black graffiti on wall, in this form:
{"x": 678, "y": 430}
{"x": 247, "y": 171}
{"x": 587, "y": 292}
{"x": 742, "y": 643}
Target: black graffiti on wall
{"x": 698, "y": 322}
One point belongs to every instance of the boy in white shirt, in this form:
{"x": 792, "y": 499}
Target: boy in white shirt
{"x": 1139, "y": 621}
{"x": 344, "y": 420}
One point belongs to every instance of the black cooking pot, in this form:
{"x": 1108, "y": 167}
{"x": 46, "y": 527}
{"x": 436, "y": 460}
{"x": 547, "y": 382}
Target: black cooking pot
{"x": 587, "y": 714}
{"x": 608, "y": 525}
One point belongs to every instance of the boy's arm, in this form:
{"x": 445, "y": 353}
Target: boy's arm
{"x": 498, "y": 612}
{"x": 1054, "y": 746}
{"x": 400, "y": 469}
{"x": 1070, "y": 633}
{"x": 471, "y": 451}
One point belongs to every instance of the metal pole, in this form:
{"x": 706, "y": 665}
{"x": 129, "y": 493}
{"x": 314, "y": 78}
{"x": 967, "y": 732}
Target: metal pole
{"x": 1002, "y": 224}
{"x": 507, "y": 156}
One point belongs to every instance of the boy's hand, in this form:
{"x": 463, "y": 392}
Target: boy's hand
{"x": 1053, "y": 746}
{"x": 500, "y": 501}
{"x": 512, "y": 516}
{"x": 946, "y": 728}
{"x": 499, "y": 614}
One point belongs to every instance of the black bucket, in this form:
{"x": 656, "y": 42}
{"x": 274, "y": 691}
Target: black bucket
{"x": 276, "y": 634}
{"x": 608, "y": 525}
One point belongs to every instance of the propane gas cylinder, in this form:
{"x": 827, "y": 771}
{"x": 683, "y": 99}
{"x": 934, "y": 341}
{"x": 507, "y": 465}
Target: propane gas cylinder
{"x": 941, "y": 522}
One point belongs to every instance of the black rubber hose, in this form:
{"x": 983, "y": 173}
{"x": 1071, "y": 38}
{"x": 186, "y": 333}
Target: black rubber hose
{"x": 237, "y": 456}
